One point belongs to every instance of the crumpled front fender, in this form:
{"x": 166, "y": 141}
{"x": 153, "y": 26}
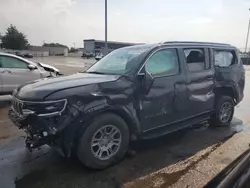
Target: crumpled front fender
{"x": 83, "y": 115}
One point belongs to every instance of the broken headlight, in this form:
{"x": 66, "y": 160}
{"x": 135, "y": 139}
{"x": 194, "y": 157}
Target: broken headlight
{"x": 47, "y": 108}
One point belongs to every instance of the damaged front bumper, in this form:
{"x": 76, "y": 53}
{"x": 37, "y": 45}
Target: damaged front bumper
{"x": 40, "y": 129}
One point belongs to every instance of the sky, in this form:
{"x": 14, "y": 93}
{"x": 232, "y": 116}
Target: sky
{"x": 144, "y": 21}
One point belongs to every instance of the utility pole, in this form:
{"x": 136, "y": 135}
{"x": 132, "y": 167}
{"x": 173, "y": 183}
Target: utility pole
{"x": 247, "y": 35}
{"x": 106, "y": 28}
{"x": 0, "y": 41}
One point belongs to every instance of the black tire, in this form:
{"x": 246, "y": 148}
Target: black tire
{"x": 215, "y": 119}
{"x": 84, "y": 149}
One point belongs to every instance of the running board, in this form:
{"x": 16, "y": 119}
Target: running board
{"x": 170, "y": 128}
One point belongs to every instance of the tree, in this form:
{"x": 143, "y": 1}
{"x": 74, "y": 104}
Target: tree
{"x": 72, "y": 49}
{"x": 13, "y": 39}
{"x": 54, "y": 45}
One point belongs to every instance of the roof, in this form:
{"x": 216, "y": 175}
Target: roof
{"x": 183, "y": 43}
{"x": 141, "y": 46}
{"x": 15, "y": 56}
{"x": 196, "y": 43}
{"x": 112, "y": 42}
{"x": 8, "y": 54}
{"x": 172, "y": 43}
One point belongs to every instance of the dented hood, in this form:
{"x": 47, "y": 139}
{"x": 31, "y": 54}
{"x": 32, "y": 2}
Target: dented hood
{"x": 37, "y": 90}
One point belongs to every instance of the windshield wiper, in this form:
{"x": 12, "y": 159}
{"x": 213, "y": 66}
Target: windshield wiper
{"x": 95, "y": 72}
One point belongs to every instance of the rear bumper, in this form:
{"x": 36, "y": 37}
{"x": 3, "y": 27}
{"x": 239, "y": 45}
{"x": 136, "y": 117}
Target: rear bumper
{"x": 240, "y": 98}
{"x": 239, "y": 91}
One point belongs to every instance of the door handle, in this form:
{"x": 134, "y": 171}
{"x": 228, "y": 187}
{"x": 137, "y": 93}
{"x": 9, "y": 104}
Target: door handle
{"x": 210, "y": 78}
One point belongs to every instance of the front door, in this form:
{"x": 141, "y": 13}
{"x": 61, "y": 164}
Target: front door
{"x": 165, "y": 101}
{"x": 15, "y": 72}
{"x": 200, "y": 84}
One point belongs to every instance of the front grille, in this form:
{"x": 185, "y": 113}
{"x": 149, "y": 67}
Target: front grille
{"x": 17, "y": 105}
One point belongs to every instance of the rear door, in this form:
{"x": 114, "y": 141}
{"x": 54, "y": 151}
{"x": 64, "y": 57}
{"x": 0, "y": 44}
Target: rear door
{"x": 15, "y": 72}
{"x": 200, "y": 80}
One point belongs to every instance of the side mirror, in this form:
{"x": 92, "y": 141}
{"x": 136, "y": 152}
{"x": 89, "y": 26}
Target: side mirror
{"x": 32, "y": 67}
{"x": 146, "y": 80}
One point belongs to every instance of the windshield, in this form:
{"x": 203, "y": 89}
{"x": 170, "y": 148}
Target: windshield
{"x": 120, "y": 61}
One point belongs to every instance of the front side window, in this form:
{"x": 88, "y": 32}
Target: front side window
{"x": 11, "y": 62}
{"x": 195, "y": 59}
{"x": 163, "y": 63}
{"x": 223, "y": 58}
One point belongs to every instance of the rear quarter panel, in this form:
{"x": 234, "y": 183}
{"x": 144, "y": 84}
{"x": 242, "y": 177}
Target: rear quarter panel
{"x": 232, "y": 77}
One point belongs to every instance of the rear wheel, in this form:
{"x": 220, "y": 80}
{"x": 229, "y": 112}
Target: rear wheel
{"x": 104, "y": 142}
{"x": 224, "y": 111}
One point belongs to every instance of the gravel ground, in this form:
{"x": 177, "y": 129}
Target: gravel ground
{"x": 187, "y": 158}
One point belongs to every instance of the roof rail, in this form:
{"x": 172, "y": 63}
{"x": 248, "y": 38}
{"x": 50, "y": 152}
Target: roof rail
{"x": 194, "y": 42}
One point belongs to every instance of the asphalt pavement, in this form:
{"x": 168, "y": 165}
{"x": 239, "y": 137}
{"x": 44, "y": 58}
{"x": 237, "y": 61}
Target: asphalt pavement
{"x": 188, "y": 158}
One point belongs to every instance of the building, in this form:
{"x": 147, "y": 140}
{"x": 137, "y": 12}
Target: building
{"x": 63, "y": 51}
{"x": 80, "y": 49}
{"x": 98, "y": 46}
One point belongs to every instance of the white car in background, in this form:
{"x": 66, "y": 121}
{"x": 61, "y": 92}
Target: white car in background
{"x": 15, "y": 71}
{"x": 99, "y": 56}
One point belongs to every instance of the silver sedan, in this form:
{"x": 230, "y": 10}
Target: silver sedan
{"x": 15, "y": 71}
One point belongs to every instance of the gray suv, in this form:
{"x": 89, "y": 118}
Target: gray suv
{"x": 15, "y": 71}
{"x": 137, "y": 92}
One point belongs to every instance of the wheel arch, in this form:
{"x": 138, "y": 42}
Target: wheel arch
{"x": 131, "y": 122}
{"x": 226, "y": 90}
{"x": 129, "y": 118}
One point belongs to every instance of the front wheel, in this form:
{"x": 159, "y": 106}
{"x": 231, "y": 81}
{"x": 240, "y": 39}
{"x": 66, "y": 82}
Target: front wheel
{"x": 224, "y": 110}
{"x": 104, "y": 142}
